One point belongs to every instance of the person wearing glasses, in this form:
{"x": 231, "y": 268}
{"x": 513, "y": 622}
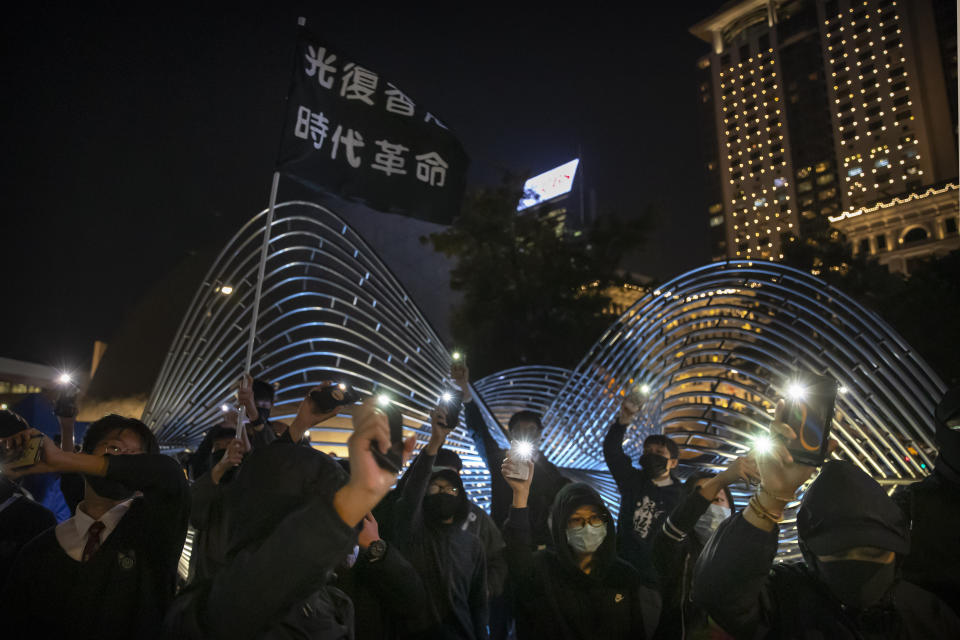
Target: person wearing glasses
{"x": 429, "y": 532}
{"x": 578, "y": 588}
{"x": 111, "y": 568}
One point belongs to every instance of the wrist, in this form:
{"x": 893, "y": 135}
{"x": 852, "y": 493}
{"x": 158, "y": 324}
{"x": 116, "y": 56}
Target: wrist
{"x": 520, "y": 499}
{"x": 365, "y": 544}
{"x": 770, "y": 503}
{"x": 352, "y": 502}
{"x": 433, "y": 447}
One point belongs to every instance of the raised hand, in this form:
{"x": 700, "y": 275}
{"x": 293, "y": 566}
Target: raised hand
{"x": 245, "y": 396}
{"x": 521, "y": 488}
{"x": 439, "y": 430}
{"x": 628, "y": 411}
{"x": 460, "y": 373}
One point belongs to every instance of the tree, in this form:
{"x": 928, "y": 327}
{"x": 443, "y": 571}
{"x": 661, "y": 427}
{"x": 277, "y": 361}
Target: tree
{"x": 532, "y": 290}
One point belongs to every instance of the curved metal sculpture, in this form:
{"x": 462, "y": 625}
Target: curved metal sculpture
{"x": 330, "y": 310}
{"x": 718, "y": 345}
{"x": 715, "y": 346}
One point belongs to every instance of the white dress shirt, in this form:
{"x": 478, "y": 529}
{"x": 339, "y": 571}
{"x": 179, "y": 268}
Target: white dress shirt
{"x": 72, "y": 533}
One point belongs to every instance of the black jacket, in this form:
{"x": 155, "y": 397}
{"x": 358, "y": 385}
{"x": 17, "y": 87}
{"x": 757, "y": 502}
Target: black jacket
{"x": 933, "y": 509}
{"x": 389, "y": 599}
{"x": 480, "y": 524}
{"x": 450, "y": 561}
{"x": 644, "y": 506}
{"x": 124, "y": 590}
{"x": 284, "y": 541}
{"x": 554, "y": 599}
{"x": 735, "y": 584}
{"x": 675, "y": 552}
{"x": 547, "y": 479}
{"x": 208, "y": 518}
{"x": 21, "y": 520}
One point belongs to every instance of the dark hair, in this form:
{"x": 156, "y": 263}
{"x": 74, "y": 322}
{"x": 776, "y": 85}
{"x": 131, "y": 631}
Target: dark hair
{"x": 263, "y": 390}
{"x": 11, "y": 423}
{"x": 106, "y": 425}
{"x": 220, "y": 431}
{"x": 525, "y": 416}
{"x": 690, "y": 485}
{"x": 664, "y": 441}
{"x": 448, "y": 458}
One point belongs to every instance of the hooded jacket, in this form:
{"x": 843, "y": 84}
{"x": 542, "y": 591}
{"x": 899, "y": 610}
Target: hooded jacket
{"x": 736, "y": 583}
{"x": 932, "y": 507}
{"x": 450, "y": 560}
{"x": 553, "y": 598}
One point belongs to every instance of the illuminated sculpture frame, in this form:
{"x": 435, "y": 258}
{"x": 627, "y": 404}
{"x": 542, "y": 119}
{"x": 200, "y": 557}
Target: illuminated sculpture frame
{"x": 716, "y": 346}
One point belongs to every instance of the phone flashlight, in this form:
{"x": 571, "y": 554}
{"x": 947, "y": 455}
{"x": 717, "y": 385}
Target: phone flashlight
{"x": 224, "y": 408}
{"x": 763, "y": 444}
{"x": 456, "y": 355}
{"x": 796, "y": 391}
{"x": 523, "y": 450}
{"x": 383, "y": 400}
{"x": 447, "y": 396}
{"x": 65, "y": 378}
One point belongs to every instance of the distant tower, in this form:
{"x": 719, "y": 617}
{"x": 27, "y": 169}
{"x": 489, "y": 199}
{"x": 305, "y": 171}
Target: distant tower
{"x": 821, "y": 108}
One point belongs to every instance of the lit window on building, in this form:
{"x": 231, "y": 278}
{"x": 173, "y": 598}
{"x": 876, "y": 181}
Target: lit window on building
{"x": 716, "y": 221}
{"x": 856, "y": 171}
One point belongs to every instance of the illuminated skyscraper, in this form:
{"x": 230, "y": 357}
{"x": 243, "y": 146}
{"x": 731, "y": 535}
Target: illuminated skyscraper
{"x": 821, "y": 107}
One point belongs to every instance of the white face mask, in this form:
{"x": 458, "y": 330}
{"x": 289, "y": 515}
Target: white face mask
{"x": 710, "y": 520}
{"x": 587, "y": 538}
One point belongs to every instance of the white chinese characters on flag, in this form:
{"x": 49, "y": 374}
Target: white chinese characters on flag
{"x": 354, "y": 133}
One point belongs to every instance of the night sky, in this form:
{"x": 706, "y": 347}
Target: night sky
{"x": 135, "y": 136}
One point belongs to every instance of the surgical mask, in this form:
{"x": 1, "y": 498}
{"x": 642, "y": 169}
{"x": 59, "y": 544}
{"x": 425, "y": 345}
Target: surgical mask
{"x": 440, "y": 506}
{"x": 857, "y": 583}
{"x": 587, "y": 538}
{"x": 109, "y": 489}
{"x": 263, "y": 413}
{"x": 710, "y": 520}
{"x": 653, "y": 464}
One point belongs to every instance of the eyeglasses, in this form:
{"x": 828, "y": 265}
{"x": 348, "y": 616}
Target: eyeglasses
{"x": 577, "y": 522}
{"x": 114, "y": 450}
{"x": 434, "y": 489}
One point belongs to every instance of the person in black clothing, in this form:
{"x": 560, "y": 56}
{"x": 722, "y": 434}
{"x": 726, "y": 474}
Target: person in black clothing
{"x": 932, "y": 507}
{"x": 389, "y": 599}
{"x": 647, "y": 495}
{"x": 292, "y": 520}
{"x": 111, "y": 569}
{"x": 21, "y": 518}
{"x": 577, "y": 589}
{"x": 480, "y": 524}
{"x": 430, "y": 514}
{"x": 707, "y": 503}
{"x": 257, "y": 397}
{"x": 207, "y": 515}
{"x": 852, "y": 536}
{"x": 523, "y": 426}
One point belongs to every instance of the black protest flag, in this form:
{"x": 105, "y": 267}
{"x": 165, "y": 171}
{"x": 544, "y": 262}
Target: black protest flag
{"x": 356, "y": 134}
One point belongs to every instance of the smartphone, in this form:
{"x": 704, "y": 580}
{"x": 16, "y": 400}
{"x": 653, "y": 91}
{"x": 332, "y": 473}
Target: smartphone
{"x": 521, "y": 451}
{"x": 28, "y": 456}
{"x": 66, "y": 404}
{"x": 810, "y": 414}
{"x": 452, "y": 403}
{"x": 392, "y": 460}
{"x": 336, "y": 395}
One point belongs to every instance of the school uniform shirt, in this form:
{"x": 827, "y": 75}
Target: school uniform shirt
{"x": 72, "y": 534}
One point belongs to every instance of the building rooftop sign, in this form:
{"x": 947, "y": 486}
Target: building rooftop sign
{"x": 549, "y": 185}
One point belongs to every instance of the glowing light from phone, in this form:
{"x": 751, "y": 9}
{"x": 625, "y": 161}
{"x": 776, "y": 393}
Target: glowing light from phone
{"x": 645, "y": 389}
{"x": 841, "y": 390}
{"x": 65, "y": 378}
{"x": 456, "y": 355}
{"x": 342, "y": 387}
{"x": 447, "y": 396}
{"x": 763, "y": 444}
{"x": 383, "y": 400}
{"x": 796, "y": 391}
{"x": 523, "y": 449}
{"x": 224, "y": 408}
{"x": 226, "y": 289}
{"x": 3, "y": 406}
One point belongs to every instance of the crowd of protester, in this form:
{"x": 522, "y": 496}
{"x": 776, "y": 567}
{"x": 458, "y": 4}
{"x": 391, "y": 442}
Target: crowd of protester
{"x": 290, "y": 542}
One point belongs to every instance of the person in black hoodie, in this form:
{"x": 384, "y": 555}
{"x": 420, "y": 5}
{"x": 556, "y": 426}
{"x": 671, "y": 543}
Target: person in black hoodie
{"x": 578, "y": 589}
{"x": 430, "y": 514}
{"x": 111, "y": 568}
{"x": 706, "y": 504}
{"x": 647, "y": 495}
{"x": 523, "y": 426}
{"x": 932, "y": 507}
{"x": 852, "y": 536}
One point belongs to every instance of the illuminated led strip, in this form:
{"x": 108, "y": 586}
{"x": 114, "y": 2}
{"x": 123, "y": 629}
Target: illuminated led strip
{"x": 718, "y": 344}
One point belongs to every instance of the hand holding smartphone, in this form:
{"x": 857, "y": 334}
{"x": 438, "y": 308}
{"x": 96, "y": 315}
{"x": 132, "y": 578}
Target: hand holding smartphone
{"x": 809, "y": 412}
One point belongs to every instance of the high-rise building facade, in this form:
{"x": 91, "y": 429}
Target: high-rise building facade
{"x": 821, "y": 107}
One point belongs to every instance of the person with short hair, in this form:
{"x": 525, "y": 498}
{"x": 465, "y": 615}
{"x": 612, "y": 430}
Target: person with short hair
{"x": 853, "y": 538}
{"x": 647, "y": 494}
{"x": 112, "y": 567}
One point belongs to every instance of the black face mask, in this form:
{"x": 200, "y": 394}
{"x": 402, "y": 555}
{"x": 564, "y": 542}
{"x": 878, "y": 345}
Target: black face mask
{"x": 653, "y": 464}
{"x": 263, "y": 413}
{"x": 440, "y": 506}
{"x": 857, "y": 583}
{"x": 109, "y": 489}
